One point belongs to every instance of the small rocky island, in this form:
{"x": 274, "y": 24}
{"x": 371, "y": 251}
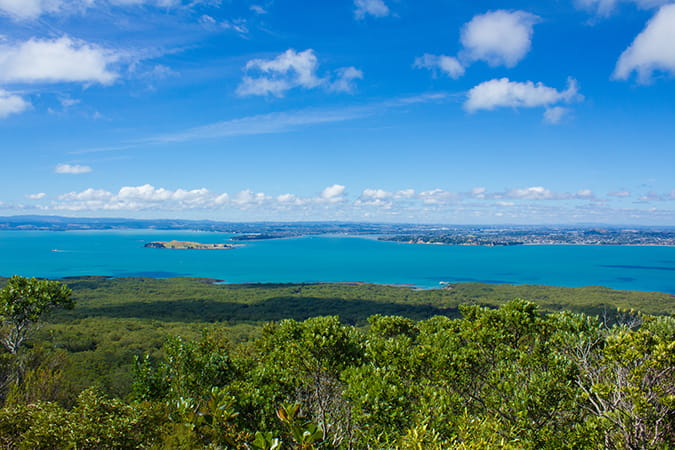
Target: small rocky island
{"x": 186, "y": 245}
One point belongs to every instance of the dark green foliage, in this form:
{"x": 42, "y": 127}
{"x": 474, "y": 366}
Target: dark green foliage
{"x": 507, "y": 374}
{"x": 190, "y": 370}
{"x": 23, "y": 302}
{"x": 94, "y": 422}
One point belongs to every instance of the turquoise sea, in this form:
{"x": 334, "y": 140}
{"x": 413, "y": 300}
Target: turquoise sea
{"x": 309, "y": 259}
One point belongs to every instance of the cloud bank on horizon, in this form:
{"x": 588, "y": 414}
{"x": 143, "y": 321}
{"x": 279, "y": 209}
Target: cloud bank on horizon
{"x": 420, "y": 99}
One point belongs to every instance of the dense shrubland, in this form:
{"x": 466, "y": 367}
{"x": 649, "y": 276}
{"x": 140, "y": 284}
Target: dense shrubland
{"x": 512, "y": 376}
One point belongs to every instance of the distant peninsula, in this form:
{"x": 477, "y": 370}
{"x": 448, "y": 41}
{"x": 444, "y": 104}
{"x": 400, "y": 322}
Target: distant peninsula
{"x": 186, "y": 245}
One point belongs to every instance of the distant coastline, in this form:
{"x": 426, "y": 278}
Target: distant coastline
{"x": 512, "y": 244}
{"x": 464, "y": 235}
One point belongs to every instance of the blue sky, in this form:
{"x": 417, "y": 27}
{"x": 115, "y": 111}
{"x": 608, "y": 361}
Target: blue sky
{"x": 374, "y": 110}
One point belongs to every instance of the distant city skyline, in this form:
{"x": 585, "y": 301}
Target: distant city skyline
{"x": 487, "y": 112}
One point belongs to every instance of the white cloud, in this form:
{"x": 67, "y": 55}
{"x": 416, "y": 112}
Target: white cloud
{"x": 238, "y": 25}
{"x": 74, "y": 169}
{"x": 89, "y": 194}
{"x": 158, "y": 3}
{"x": 331, "y": 202}
{"x": 290, "y": 70}
{"x": 345, "y": 80}
{"x": 446, "y": 64}
{"x": 606, "y": 7}
{"x": 500, "y": 38}
{"x": 333, "y": 194}
{"x": 28, "y": 9}
{"x": 541, "y": 193}
{"x": 375, "y": 8}
{"x": 58, "y": 60}
{"x": 584, "y": 194}
{"x": 531, "y": 193}
{"x": 258, "y": 9}
{"x": 375, "y": 197}
{"x": 282, "y": 122}
{"x": 405, "y": 193}
{"x": 376, "y": 194}
{"x": 652, "y": 50}
{"x": 261, "y": 124}
{"x": 248, "y": 198}
{"x": 555, "y": 114}
{"x": 11, "y": 104}
{"x": 437, "y": 197}
{"x": 383, "y": 198}
{"x": 37, "y": 196}
{"x": 478, "y": 192}
{"x": 32, "y": 9}
{"x": 148, "y": 197}
{"x": 500, "y": 93}
{"x": 286, "y": 200}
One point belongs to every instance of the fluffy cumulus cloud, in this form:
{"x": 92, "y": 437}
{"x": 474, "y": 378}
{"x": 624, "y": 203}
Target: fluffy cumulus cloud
{"x": 292, "y": 69}
{"x": 500, "y": 38}
{"x": 652, "y": 50}
{"x": 11, "y": 104}
{"x": 36, "y": 196}
{"x": 606, "y": 7}
{"x": 72, "y": 169}
{"x": 438, "y": 197}
{"x": 333, "y": 194}
{"x": 149, "y": 197}
{"x": 333, "y": 201}
{"x": 541, "y": 193}
{"x": 56, "y": 60}
{"x": 375, "y": 8}
{"x": 449, "y": 65}
{"x": 383, "y": 198}
{"x": 501, "y": 93}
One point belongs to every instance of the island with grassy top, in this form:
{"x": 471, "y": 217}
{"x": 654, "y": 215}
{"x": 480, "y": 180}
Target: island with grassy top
{"x": 189, "y": 245}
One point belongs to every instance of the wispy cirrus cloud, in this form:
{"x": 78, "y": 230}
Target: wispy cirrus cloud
{"x": 263, "y": 124}
{"x": 24, "y": 10}
{"x": 279, "y": 122}
{"x": 374, "y": 8}
{"x": 607, "y": 7}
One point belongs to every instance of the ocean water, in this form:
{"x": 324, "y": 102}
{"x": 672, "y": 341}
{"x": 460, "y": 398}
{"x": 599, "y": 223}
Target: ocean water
{"x": 311, "y": 259}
